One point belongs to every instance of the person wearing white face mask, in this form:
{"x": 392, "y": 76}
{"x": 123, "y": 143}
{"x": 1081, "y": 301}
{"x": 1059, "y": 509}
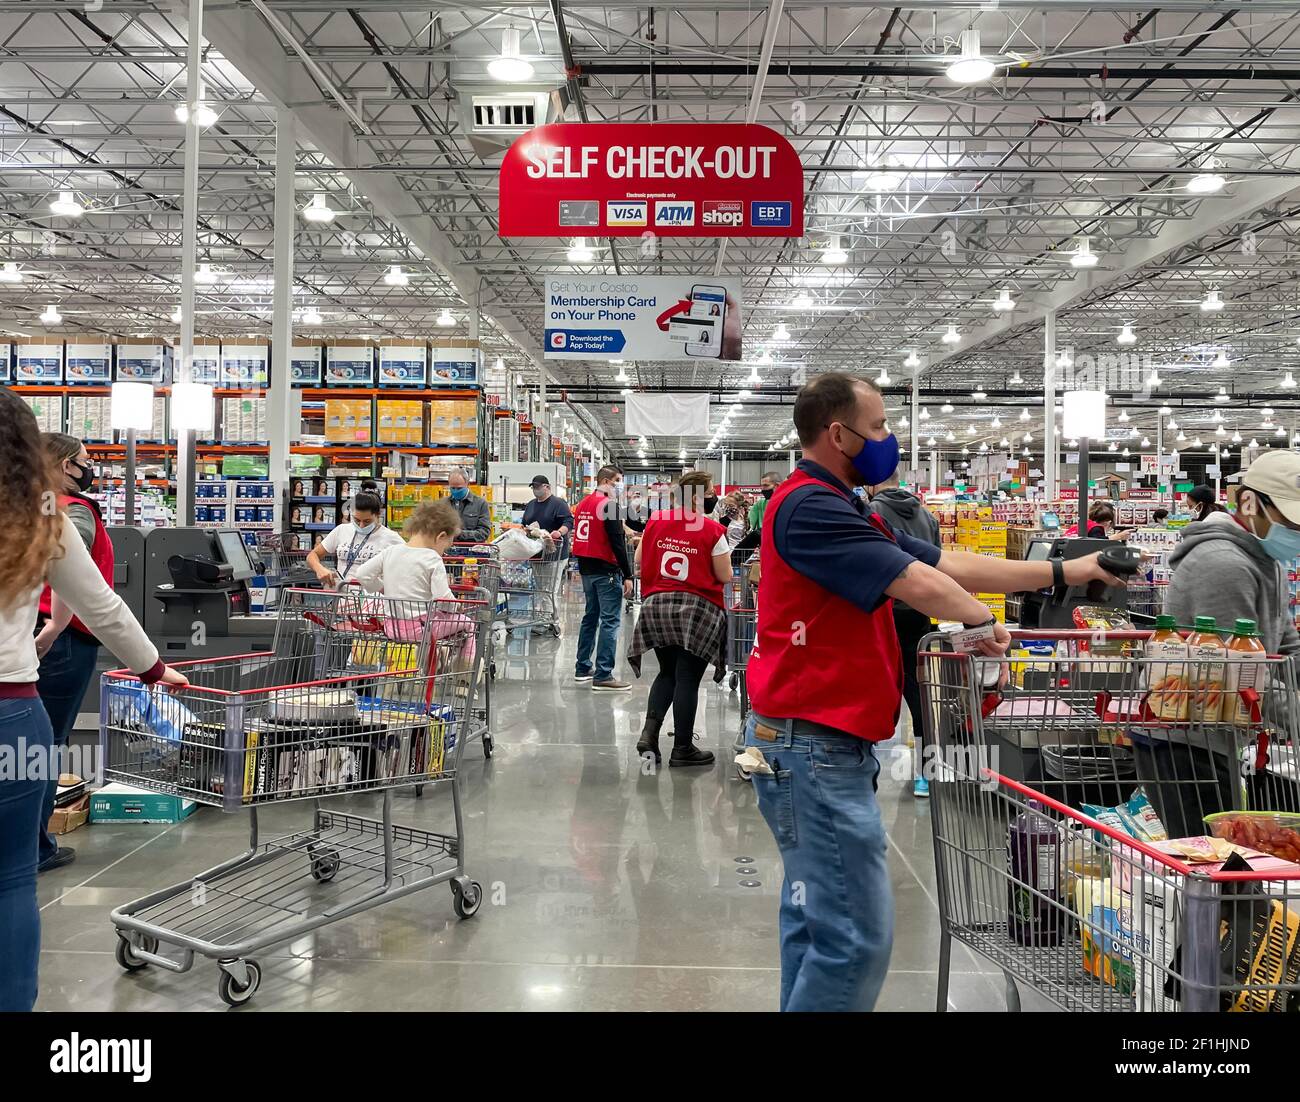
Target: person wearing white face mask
{"x": 354, "y": 541}
{"x": 1230, "y": 567}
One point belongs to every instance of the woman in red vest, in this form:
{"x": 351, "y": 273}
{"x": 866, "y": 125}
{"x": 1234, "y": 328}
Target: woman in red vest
{"x": 683, "y": 560}
{"x": 68, "y": 650}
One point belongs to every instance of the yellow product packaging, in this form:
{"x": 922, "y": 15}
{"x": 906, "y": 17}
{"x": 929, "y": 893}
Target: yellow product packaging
{"x": 1105, "y": 931}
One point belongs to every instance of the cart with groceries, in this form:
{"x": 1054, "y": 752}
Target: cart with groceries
{"x": 532, "y": 566}
{"x": 1115, "y": 814}
{"x": 739, "y": 599}
{"x": 358, "y": 693}
{"x": 474, "y": 573}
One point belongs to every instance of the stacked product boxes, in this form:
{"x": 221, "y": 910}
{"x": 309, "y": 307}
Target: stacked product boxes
{"x": 980, "y": 534}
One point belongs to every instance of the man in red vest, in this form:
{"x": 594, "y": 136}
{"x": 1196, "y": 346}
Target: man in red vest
{"x": 825, "y": 682}
{"x": 606, "y": 571}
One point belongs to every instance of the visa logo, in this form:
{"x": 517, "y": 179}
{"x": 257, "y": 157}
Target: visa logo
{"x": 625, "y": 214}
{"x": 769, "y": 214}
{"x": 675, "y": 213}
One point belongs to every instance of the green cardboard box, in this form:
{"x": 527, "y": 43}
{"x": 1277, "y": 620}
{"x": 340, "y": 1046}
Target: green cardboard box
{"x": 120, "y": 803}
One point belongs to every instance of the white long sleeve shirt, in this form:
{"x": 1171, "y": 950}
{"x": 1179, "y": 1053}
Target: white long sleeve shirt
{"x": 74, "y": 577}
{"x": 405, "y": 573}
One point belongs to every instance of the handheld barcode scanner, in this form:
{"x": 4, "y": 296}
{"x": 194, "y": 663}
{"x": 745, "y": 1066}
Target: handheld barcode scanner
{"x": 1054, "y": 607}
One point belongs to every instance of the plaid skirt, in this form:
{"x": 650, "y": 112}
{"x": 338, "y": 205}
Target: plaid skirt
{"x": 686, "y": 620}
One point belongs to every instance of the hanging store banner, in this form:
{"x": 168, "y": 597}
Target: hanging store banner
{"x": 643, "y": 318}
{"x": 651, "y": 179}
{"x": 667, "y": 415}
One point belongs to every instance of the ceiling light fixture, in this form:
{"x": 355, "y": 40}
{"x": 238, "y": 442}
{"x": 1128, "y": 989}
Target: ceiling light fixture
{"x": 925, "y": 414}
{"x": 66, "y": 206}
{"x": 204, "y": 115}
{"x": 1003, "y": 302}
{"x": 1123, "y": 415}
{"x": 1126, "y": 335}
{"x": 1028, "y": 438}
{"x": 1015, "y": 380}
{"x": 780, "y": 333}
{"x": 1083, "y": 256}
{"x": 445, "y": 318}
{"x": 395, "y": 277}
{"x": 1236, "y": 438}
{"x": 951, "y": 336}
{"x": 51, "y": 315}
{"x": 318, "y": 210}
{"x": 834, "y": 253}
{"x": 1154, "y": 380}
{"x": 509, "y": 67}
{"x": 1024, "y": 415}
{"x": 946, "y": 407}
{"x": 1207, "y": 181}
{"x": 622, "y": 376}
{"x": 978, "y": 395}
{"x": 971, "y": 66}
{"x": 883, "y": 378}
{"x": 1223, "y": 395}
{"x": 205, "y": 275}
{"x": 1146, "y": 442}
{"x": 176, "y": 316}
{"x": 311, "y": 316}
{"x": 10, "y": 273}
{"x": 1288, "y": 381}
{"x": 1221, "y": 361}
{"x": 913, "y": 360}
{"x": 580, "y": 252}
{"x": 1212, "y": 303}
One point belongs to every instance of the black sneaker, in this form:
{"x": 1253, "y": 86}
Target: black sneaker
{"x": 64, "y": 855}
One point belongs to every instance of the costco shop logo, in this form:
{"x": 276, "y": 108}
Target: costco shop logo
{"x": 559, "y": 340}
{"x": 625, "y": 214}
{"x": 725, "y": 212}
{"x": 674, "y": 212}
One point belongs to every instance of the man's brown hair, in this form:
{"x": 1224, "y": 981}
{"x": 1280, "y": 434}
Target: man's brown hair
{"x": 829, "y": 397}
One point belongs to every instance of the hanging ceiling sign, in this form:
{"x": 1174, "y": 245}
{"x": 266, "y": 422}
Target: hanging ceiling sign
{"x": 651, "y": 179}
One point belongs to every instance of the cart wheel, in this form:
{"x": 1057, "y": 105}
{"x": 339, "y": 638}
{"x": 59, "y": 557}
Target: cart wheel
{"x": 419, "y": 790}
{"x": 734, "y": 681}
{"x": 555, "y": 630}
{"x": 467, "y": 904}
{"x": 126, "y": 954}
{"x": 324, "y": 864}
{"x": 492, "y": 671}
{"x": 234, "y": 995}
{"x": 487, "y": 746}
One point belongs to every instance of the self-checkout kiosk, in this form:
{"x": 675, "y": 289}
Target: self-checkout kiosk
{"x": 1054, "y": 606}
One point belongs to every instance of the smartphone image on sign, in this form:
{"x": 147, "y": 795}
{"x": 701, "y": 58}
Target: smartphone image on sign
{"x": 708, "y": 305}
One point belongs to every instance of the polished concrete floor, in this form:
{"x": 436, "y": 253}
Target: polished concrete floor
{"x": 607, "y": 889}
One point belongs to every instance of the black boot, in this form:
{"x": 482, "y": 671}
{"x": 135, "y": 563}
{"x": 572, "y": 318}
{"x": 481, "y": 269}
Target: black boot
{"x": 648, "y": 743}
{"x": 686, "y": 753}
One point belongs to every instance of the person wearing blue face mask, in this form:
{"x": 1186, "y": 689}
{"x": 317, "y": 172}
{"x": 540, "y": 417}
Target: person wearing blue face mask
{"x": 825, "y": 681}
{"x": 475, "y": 516}
{"x": 353, "y": 542}
{"x": 1232, "y": 567}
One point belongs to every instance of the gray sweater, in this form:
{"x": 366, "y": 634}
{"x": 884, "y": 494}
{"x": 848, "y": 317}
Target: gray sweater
{"x": 1221, "y": 570}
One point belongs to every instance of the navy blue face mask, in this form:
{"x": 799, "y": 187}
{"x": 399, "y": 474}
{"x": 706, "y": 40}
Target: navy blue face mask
{"x": 877, "y": 460}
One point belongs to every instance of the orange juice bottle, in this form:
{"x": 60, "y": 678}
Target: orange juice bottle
{"x": 1167, "y": 680}
{"x": 1245, "y": 669}
{"x": 1206, "y": 654}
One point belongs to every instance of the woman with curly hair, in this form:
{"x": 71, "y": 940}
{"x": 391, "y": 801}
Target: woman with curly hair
{"x": 39, "y": 545}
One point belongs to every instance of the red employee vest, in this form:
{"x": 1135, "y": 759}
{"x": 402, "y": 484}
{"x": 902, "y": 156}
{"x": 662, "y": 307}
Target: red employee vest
{"x": 590, "y": 540}
{"x": 101, "y": 554}
{"x": 677, "y": 554}
{"x": 817, "y": 656}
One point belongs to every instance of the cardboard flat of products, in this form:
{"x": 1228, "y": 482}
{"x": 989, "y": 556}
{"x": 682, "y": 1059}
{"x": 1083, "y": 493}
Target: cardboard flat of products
{"x": 66, "y": 819}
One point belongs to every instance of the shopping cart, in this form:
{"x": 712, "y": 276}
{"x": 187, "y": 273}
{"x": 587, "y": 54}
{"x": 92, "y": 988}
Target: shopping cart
{"x": 738, "y": 600}
{"x": 1034, "y": 767}
{"x": 475, "y": 573}
{"x": 531, "y": 589}
{"x": 372, "y": 695}
{"x": 284, "y": 559}
{"x": 1146, "y": 599}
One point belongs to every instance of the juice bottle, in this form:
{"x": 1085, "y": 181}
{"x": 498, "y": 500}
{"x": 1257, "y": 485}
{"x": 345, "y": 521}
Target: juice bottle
{"x": 1166, "y": 671}
{"x": 1245, "y": 670}
{"x": 1034, "y": 862}
{"x": 1206, "y": 655}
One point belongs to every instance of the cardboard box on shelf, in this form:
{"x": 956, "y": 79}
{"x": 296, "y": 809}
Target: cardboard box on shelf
{"x": 245, "y": 363}
{"x": 455, "y": 362}
{"x": 86, "y": 360}
{"x": 403, "y": 362}
{"x": 305, "y": 362}
{"x": 348, "y": 421}
{"x": 400, "y": 422}
{"x": 141, "y": 362}
{"x": 121, "y": 803}
{"x": 350, "y": 363}
{"x": 39, "y": 360}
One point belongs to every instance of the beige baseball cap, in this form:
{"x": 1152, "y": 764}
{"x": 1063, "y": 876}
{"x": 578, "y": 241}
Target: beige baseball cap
{"x": 1276, "y": 475}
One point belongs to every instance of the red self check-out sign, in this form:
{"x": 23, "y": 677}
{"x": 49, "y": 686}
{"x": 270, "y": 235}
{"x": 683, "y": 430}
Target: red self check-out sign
{"x": 670, "y": 179}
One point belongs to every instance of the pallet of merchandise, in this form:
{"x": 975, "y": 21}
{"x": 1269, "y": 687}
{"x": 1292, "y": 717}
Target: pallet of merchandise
{"x": 996, "y": 603}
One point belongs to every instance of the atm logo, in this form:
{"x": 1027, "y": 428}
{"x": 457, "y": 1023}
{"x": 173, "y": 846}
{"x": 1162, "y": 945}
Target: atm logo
{"x": 625, "y": 214}
{"x": 674, "y": 212}
{"x": 725, "y": 212}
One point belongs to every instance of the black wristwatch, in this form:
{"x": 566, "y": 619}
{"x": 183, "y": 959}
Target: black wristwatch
{"x": 1058, "y": 572}
{"x": 982, "y": 624}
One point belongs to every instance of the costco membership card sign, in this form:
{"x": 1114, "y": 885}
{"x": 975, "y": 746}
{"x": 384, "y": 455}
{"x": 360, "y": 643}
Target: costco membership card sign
{"x": 668, "y": 179}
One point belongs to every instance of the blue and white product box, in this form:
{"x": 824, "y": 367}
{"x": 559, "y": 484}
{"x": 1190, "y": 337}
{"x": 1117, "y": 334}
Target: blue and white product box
{"x": 143, "y": 363}
{"x": 304, "y": 364}
{"x": 245, "y": 514}
{"x": 206, "y": 367}
{"x": 403, "y": 364}
{"x": 88, "y": 362}
{"x": 265, "y": 514}
{"x": 454, "y": 367}
{"x": 245, "y": 365}
{"x": 39, "y": 361}
{"x": 218, "y": 513}
{"x": 351, "y": 364}
{"x": 6, "y": 361}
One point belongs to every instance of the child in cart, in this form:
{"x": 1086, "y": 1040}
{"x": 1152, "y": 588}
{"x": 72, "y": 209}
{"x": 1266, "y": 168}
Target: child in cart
{"x": 414, "y": 572}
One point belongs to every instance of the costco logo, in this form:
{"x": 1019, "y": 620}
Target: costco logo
{"x": 559, "y": 340}
{"x": 726, "y": 212}
{"x": 625, "y": 214}
{"x": 674, "y": 212}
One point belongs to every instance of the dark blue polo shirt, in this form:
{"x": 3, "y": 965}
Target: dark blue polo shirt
{"x": 827, "y": 536}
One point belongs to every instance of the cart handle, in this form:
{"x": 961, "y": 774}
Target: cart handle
{"x": 353, "y": 677}
{"x": 1180, "y": 867}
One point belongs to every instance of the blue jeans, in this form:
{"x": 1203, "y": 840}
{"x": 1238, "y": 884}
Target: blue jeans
{"x": 604, "y": 593}
{"x": 65, "y": 674}
{"x": 837, "y": 909}
{"x": 23, "y": 725}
